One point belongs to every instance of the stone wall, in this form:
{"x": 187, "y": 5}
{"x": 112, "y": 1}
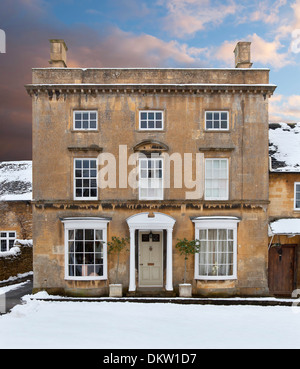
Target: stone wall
{"x": 16, "y": 216}
{"x": 282, "y": 194}
{"x": 16, "y": 261}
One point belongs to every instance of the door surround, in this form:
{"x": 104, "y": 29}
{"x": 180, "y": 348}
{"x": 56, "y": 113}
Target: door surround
{"x": 147, "y": 222}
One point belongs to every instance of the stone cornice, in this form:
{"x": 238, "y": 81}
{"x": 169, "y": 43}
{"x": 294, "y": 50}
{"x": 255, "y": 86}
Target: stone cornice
{"x": 108, "y": 205}
{"x": 56, "y": 90}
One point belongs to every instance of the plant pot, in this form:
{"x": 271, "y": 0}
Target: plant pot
{"x": 185, "y": 290}
{"x": 115, "y": 290}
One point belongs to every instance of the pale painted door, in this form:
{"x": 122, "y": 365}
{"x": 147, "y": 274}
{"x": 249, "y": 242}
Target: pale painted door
{"x": 150, "y": 259}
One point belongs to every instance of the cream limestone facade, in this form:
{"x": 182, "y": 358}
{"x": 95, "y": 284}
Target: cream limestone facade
{"x": 155, "y": 155}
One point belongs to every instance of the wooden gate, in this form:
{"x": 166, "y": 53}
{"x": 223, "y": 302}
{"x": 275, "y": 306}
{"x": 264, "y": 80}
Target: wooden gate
{"x": 282, "y": 269}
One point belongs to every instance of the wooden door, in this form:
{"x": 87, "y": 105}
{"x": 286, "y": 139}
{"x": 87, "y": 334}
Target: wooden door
{"x": 282, "y": 269}
{"x": 150, "y": 259}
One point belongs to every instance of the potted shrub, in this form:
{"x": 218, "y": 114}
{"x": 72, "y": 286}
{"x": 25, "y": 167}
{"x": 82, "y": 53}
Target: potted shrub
{"x": 116, "y": 246}
{"x": 186, "y": 248}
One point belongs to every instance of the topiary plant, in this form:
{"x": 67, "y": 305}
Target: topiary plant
{"x": 117, "y": 245}
{"x": 187, "y": 248}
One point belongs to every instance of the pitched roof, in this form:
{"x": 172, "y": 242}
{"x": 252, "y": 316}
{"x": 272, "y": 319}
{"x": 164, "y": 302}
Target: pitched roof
{"x": 15, "y": 180}
{"x": 284, "y": 147}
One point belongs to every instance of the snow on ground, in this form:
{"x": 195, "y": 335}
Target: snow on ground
{"x": 129, "y": 325}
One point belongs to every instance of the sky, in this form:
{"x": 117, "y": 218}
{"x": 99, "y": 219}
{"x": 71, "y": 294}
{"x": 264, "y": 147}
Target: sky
{"x": 143, "y": 33}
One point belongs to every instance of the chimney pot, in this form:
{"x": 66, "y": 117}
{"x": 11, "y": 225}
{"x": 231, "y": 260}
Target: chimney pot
{"x": 58, "y": 53}
{"x": 242, "y": 54}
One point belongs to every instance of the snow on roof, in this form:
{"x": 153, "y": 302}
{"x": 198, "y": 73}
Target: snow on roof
{"x": 285, "y": 226}
{"x": 15, "y": 181}
{"x": 150, "y": 68}
{"x": 284, "y": 147}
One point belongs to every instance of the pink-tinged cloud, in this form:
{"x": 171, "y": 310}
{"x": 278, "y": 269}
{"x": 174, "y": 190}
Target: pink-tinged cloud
{"x": 296, "y": 8}
{"x": 186, "y": 17}
{"x": 267, "y": 53}
{"x": 284, "y": 108}
{"x": 267, "y": 11}
{"x": 128, "y": 50}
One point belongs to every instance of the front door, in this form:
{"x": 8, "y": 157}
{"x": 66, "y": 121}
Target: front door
{"x": 282, "y": 262}
{"x": 150, "y": 259}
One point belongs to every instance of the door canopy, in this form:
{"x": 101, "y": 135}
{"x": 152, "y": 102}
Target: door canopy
{"x": 148, "y": 221}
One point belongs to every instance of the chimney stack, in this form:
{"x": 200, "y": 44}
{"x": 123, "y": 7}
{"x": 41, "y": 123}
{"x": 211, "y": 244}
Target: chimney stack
{"x": 58, "y": 53}
{"x": 243, "y": 55}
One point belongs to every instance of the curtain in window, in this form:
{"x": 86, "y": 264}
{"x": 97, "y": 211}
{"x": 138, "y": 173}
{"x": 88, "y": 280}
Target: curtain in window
{"x": 216, "y": 252}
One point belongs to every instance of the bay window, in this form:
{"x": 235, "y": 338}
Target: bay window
{"x": 85, "y": 248}
{"x": 217, "y": 257}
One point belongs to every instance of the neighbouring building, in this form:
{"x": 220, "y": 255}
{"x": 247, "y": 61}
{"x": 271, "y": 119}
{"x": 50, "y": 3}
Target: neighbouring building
{"x": 15, "y": 219}
{"x": 284, "y": 208}
{"x": 155, "y": 155}
{"x": 15, "y": 202}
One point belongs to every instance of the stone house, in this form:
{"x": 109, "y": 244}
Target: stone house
{"x": 155, "y": 155}
{"x": 284, "y": 208}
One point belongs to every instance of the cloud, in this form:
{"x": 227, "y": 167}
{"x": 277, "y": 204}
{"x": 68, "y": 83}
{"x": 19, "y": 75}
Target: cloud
{"x": 267, "y": 12}
{"x": 284, "y": 108}
{"x": 268, "y": 53}
{"x": 225, "y": 52}
{"x": 287, "y": 24}
{"x": 186, "y": 17}
{"x": 296, "y": 8}
{"x": 264, "y": 52}
{"x": 126, "y": 49}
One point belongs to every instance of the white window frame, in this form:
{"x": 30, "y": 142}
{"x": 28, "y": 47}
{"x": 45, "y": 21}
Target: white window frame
{"x": 297, "y": 184}
{"x": 226, "y": 197}
{"x": 7, "y": 238}
{"x": 154, "y": 112}
{"x": 227, "y": 223}
{"x": 220, "y": 128}
{"x": 162, "y": 178}
{"x": 86, "y": 223}
{"x": 88, "y": 120}
{"x": 81, "y": 198}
